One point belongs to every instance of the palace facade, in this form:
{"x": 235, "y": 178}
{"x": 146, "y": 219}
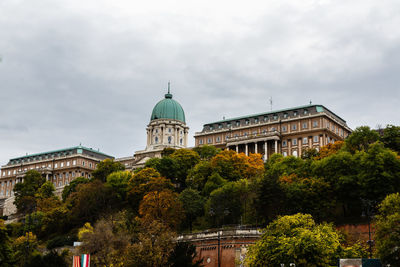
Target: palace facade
{"x": 288, "y": 131}
{"x": 58, "y": 166}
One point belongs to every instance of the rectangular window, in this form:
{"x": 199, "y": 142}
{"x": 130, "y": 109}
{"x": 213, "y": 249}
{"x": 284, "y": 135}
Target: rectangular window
{"x": 74, "y": 162}
{"x": 209, "y": 140}
{"x": 305, "y": 140}
{"x": 73, "y": 174}
{"x": 316, "y": 139}
{"x": 284, "y": 143}
{"x": 9, "y": 173}
{"x": 275, "y": 116}
{"x": 284, "y": 153}
{"x": 315, "y": 123}
{"x": 305, "y": 125}
{"x": 83, "y": 163}
{"x": 218, "y": 138}
{"x": 15, "y": 171}
{"x": 90, "y": 165}
{"x": 294, "y": 127}
{"x": 55, "y": 165}
{"x": 68, "y": 163}
{"x": 294, "y": 142}
{"x": 201, "y": 141}
{"x": 62, "y": 164}
{"x": 284, "y": 128}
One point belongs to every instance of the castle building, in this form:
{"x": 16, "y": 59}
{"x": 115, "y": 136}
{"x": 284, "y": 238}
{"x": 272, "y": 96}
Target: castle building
{"x": 167, "y": 129}
{"x": 58, "y": 166}
{"x": 288, "y": 131}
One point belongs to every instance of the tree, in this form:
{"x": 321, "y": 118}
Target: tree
{"x": 233, "y": 166}
{"x": 105, "y": 168}
{"x": 46, "y": 190}
{"x": 206, "y": 152}
{"x": 71, "y": 187}
{"x": 360, "y": 139}
{"x": 198, "y": 175}
{"x": 118, "y": 181}
{"x": 90, "y": 201}
{"x": 163, "y": 206}
{"x": 387, "y": 234}
{"x": 296, "y": 239}
{"x": 105, "y": 242}
{"x": 329, "y": 150}
{"x": 6, "y": 253}
{"x": 152, "y": 247}
{"x": 193, "y": 204}
{"x": 25, "y": 192}
{"x": 224, "y": 205}
{"x": 185, "y": 159}
{"x": 184, "y": 255}
{"x": 215, "y": 181}
{"x": 391, "y": 137}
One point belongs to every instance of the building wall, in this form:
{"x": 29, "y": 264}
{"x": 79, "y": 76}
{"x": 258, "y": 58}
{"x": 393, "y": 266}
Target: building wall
{"x": 232, "y": 246}
{"x": 289, "y": 131}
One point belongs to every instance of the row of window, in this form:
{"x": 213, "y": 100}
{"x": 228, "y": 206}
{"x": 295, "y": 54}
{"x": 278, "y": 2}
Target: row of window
{"x": 168, "y": 129}
{"x": 156, "y": 139}
{"x": 255, "y": 120}
{"x": 42, "y": 157}
{"x": 294, "y": 152}
{"x": 62, "y": 165}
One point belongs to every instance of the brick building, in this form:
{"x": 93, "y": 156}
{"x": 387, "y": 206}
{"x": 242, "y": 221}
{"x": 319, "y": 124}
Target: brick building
{"x": 287, "y": 131}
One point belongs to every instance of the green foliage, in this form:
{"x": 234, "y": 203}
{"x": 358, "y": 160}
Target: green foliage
{"x": 6, "y": 253}
{"x": 296, "y": 239}
{"x": 71, "y": 187}
{"x": 118, "y": 181}
{"x": 46, "y": 190}
{"x": 360, "y": 139}
{"x": 60, "y": 241}
{"x": 105, "y": 168}
{"x": 198, "y": 175}
{"x": 387, "y": 233}
{"x": 185, "y": 159}
{"x": 206, "y": 152}
{"x": 184, "y": 255}
{"x": 25, "y": 192}
{"x": 192, "y": 203}
{"x": 391, "y": 137}
{"x": 215, "y": 181}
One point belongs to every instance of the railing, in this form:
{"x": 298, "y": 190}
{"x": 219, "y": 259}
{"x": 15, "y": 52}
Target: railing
{"x": 253, "y": 136}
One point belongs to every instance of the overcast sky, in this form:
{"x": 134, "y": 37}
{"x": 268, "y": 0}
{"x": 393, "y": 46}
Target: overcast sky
{"x": 91, "y": 71}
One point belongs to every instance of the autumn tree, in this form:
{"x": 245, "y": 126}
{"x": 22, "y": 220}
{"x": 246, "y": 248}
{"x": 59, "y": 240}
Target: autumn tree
{"x": 105, "y": 242}
{"x": 90, "y": 201}
{"x": 163, "y": 206}
{"x": 185, "y": 159}
{"x": 329, "y": 150}
{"x": 233, "y": 166}
{"x": 105, "y": 168}
{"x": 184, "y": 255}
{"x": 152, "y": 247}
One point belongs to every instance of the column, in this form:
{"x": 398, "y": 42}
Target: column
{"x": 185, "y": 132}
{"x": 246, "y": 149}
{"x": 265, "y": 150}
{"x": 276, "y": 146}
{"x": 237, "y": 148}
{"x": 255, "y": 148}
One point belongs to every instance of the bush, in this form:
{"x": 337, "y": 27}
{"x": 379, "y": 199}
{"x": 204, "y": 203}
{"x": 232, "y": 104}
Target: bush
{"x": 60, "y": 241}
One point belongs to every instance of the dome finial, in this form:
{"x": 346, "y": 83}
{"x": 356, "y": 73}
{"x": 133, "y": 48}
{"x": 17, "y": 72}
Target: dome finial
{"x": 168, "y": 95}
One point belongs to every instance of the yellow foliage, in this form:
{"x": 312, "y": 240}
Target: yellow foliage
{"x": 87, "y": 228}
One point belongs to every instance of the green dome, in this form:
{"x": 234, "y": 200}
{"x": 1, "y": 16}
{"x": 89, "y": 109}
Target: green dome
{"x": 168, "y": 109}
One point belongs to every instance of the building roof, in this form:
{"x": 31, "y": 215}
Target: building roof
{"x": 60, "y": 151}
{"x": 168, "y": 109}
{"x": 319, "y": 108}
